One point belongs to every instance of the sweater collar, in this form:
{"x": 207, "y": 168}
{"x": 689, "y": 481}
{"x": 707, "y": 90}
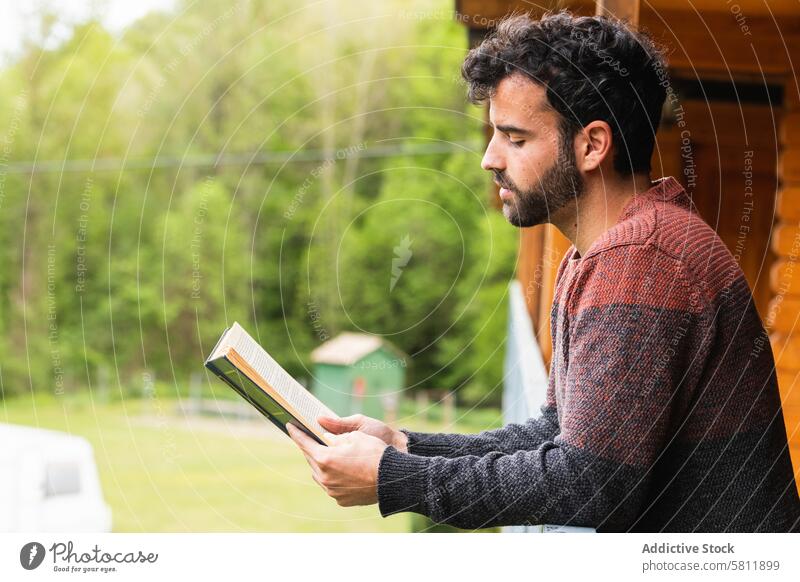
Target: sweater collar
{"x": 666, "y": 189}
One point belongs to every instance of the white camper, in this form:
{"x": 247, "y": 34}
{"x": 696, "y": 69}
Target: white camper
{"x": 49, "y": 483}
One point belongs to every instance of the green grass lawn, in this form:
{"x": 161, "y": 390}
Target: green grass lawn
{"x": 163, "y": 472}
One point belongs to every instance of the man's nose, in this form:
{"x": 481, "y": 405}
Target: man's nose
{"x": 491, "y": 158}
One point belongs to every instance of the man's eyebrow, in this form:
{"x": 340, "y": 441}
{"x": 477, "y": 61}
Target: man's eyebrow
{"x": 512, "y": 129}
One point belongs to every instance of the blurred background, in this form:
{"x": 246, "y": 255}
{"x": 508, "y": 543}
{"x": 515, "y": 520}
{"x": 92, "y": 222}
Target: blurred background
{"x": 303, "y": 168}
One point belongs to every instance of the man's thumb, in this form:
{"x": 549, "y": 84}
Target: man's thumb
{"x": 339, "y": 425}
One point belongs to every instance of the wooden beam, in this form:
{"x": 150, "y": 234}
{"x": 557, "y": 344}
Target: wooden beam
{"x": 700, "y": 40}
{"x": 741, "y": 13}
{"x": 784, "y": 309}
{"x": 789, "y": 204}
{"x": 703, "y": 44}
{"x": 743, "y": 10}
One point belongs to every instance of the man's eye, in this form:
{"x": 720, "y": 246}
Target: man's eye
{"x": 518, "y": 143}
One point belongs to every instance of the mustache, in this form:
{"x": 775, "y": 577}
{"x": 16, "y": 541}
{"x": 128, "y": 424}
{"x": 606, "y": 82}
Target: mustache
{"x": 501, "y": 180}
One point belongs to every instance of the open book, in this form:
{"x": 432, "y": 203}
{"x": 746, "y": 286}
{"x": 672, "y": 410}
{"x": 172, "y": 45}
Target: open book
{"x": 247, "y": 368}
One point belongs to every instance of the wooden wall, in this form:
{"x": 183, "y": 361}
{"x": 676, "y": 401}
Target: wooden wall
{"x": 784, "y": 308}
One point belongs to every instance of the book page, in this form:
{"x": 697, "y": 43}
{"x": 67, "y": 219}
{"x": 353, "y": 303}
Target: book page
{"x": 306, "y": 404}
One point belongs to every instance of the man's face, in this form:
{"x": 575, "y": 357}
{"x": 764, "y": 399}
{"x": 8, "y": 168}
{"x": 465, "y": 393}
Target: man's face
{"x": 536, "y": 172}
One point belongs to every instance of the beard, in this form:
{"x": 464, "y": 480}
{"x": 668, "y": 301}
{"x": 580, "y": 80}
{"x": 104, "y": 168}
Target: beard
{"x": 561, "y": 184}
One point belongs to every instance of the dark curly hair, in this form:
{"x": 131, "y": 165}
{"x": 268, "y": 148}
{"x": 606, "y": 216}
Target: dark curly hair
{"x": 594, "y": 68}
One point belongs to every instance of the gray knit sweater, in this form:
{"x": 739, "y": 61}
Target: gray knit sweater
{"x": 662, "y": 412}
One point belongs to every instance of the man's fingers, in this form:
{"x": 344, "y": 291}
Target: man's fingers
{"x": 340, "y": 425}
{"x": 308, "y": 445}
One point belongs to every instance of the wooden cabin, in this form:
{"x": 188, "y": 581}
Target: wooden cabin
{"x": 732, "y": 137}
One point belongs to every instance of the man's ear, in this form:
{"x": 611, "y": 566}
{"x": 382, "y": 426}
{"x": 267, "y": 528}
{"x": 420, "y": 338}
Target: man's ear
{"x": 594, "y": 143}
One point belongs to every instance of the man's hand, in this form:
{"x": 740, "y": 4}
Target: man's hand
{"x": 348, "y": 469}
{"x": 371, "y": 426}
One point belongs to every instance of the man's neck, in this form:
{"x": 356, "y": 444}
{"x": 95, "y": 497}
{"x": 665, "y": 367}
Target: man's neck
{"x": 599, "y": 208}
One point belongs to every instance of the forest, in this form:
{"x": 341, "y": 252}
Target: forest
{"x": 303, "y": 168}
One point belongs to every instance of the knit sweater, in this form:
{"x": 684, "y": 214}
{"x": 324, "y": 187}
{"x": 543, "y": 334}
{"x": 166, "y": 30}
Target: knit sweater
{"x": 662, "y": 410}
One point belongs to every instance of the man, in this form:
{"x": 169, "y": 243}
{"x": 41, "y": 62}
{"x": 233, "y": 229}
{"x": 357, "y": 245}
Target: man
{"x": 663, "y": 411}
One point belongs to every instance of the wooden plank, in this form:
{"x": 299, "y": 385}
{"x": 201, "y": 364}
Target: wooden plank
{"x": 794, "y": 451}
{"x": 701, "y": 42}
{"x": 784, "y": 309}
{"x": 786, "y": 240}
{"x": 748, "y": 8}
{"x": 789, "y": 165}
{"x": 791, "y": 416}
{"x": 791, "y": 93}
{"x": 788, "y": 206}
{"x": 476, "y": 12}
{"x": 784, "y": 277}
{"x": 790, "y": 129}
{"x": 789, "y": 385}
{"x": 783, "y": 314}
{"x": 732, "y": 126}
{"x": 786, "y": 351}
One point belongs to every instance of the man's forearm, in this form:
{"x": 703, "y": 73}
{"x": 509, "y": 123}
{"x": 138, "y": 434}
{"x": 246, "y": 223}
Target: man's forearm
{"x": 509, "y": 439}
{"x": 555, "y": 483}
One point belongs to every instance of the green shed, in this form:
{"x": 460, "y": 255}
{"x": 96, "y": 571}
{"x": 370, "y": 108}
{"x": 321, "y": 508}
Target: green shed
{"x": 359, "y": 373}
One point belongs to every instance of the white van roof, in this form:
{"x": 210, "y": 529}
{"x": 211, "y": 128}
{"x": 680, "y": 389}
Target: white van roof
{"x": 17, "y": 438}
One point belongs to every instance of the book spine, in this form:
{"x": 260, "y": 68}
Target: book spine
{"x": 219, "y": 341}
